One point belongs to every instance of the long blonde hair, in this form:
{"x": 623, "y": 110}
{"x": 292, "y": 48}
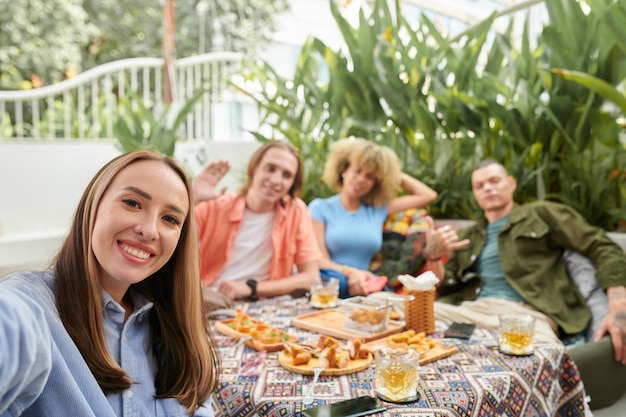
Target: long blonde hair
{"x": 182, "y": 343}
{"x": 357, "y": 151}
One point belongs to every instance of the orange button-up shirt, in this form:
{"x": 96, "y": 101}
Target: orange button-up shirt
{"x": 218, "y": 221}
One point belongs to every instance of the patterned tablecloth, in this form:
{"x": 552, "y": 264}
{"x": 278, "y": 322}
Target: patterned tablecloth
{"x": 476, "y": 381}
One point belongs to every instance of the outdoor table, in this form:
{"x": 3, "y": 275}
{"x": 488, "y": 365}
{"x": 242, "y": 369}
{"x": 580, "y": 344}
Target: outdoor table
{"x": 478, "y": 380}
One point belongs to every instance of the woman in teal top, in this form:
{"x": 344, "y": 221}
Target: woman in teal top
{"x": 349, "y": 225}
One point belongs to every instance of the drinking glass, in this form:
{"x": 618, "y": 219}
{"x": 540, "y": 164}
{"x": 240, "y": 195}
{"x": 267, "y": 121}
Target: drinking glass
{"x": 517, "y": 333}
{"x": 326, "y": 294}
{"x": 396, "y": 373}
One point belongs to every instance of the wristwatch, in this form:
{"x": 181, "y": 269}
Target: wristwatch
{"x": 252, "y": 284}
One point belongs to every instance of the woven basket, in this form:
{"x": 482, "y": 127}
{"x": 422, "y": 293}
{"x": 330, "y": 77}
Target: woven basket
{"x": 419, "y": 312}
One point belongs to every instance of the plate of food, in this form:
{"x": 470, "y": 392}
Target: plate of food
{"x": 337, "y": 358}
{"x": 263, "y": 337}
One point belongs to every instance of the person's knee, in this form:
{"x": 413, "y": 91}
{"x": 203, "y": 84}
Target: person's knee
{"x": 603, "y": 377}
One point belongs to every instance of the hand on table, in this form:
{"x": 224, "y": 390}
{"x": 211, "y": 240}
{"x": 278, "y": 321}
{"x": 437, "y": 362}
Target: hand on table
{"x": 205, "y": 184}
{"x": 357, "y": 281}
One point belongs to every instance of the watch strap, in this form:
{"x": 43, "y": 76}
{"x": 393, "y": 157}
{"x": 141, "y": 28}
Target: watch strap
{"x": 253, "y": 294}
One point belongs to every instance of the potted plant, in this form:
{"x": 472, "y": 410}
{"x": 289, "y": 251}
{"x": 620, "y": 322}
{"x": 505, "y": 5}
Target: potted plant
{"x": 140, "y": 126}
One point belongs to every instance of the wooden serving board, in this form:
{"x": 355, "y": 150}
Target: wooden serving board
{"x": 355, "y": 365}
{"x": 330, "y": 323}
{"x": 223, "y": 326}
{"x": 431, "y": 355}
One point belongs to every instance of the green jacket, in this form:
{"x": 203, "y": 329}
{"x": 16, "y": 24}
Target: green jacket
{"x": 531, "y": 247}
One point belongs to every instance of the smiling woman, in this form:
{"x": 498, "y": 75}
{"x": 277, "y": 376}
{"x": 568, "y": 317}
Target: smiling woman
{"x": 126, "y": 277}
{"x": 138, "y": 226}
{"x": 348, "y": 225}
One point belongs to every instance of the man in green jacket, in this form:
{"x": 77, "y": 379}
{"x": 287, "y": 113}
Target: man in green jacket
{"x": 514, "y": 262}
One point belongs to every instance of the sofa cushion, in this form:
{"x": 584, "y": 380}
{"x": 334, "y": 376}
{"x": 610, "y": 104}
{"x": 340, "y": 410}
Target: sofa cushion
{"x": 582, "y": 271}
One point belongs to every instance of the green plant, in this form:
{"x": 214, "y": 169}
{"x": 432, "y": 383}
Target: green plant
{"x": 445, "y": 103}
{"x": 612, "y": 179}
{"x": 6, "y": 127}
{"x": 139, "y": 126}
{"x": 377, "y": 89}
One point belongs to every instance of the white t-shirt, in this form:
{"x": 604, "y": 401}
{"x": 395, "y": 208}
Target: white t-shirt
{"x": 252, "y": 251}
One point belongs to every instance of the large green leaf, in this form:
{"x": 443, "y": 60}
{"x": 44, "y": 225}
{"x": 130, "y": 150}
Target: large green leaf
{"x": 613, "y": 16}
{"x": 606, "y": 90}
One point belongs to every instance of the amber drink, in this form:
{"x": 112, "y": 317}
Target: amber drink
{"x": 517, "y": 334}
{"x": 326, "y": 294}
{"x": 396, "y": 373}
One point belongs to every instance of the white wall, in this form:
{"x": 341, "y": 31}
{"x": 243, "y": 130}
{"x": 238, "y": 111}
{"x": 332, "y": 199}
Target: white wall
{"x": 41, "y": 183}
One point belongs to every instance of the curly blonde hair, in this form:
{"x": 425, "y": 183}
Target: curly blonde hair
{"x": 368, "y": 154}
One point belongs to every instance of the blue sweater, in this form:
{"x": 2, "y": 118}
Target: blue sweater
{"x": 42, "y": 372}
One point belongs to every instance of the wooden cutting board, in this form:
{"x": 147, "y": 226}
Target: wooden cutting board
{"x": 438, "y": 352}
{"x": 223, "y": 326}
{"x": 330, "y": 323}
{"x": 355, "y": 365}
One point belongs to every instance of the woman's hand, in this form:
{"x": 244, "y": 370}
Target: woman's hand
{"x": 356, "y": 280}
{"x": 205, "y": 184}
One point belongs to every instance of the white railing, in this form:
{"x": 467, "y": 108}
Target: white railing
{"x": 85, "y": 106}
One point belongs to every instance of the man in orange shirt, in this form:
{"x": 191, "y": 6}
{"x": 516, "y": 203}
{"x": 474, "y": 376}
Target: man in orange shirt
{"x": 251, "y": 241}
